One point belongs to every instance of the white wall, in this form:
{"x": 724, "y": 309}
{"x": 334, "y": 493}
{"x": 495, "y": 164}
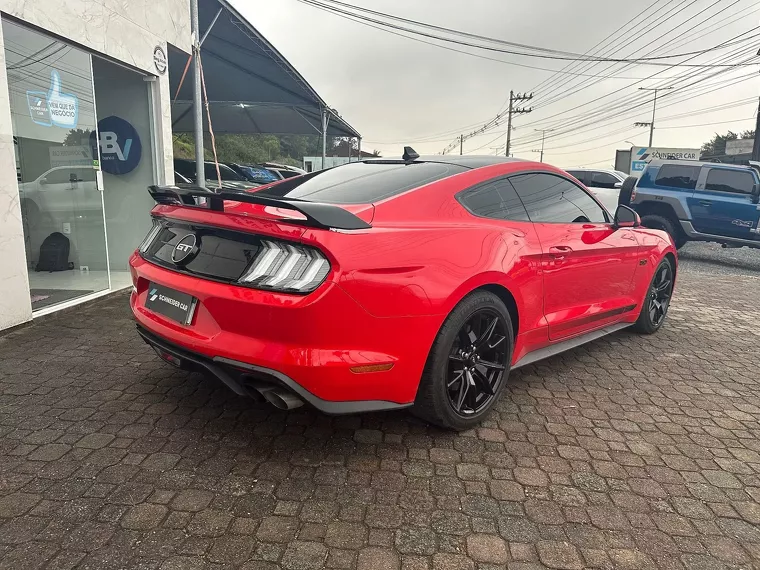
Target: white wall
{"x": 15, "y": 304}
{"x": 127, "y": 30}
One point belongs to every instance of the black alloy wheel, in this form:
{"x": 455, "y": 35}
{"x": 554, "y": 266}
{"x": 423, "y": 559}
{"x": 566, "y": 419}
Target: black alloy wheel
{"x": 660, "y": 293}
{"x": 477, "y": 362}
{"x": 468, "y": 365}
{"x": 655, "y": 307}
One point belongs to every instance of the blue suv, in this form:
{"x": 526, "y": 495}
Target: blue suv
{"x": 698, "y": 201}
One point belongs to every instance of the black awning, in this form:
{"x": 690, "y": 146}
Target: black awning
{"x": 251, "y": 87}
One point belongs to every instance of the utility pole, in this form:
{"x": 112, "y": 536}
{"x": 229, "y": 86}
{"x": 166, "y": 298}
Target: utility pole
{"x": 654, "y": 110}
{"x": 543, "y": 139}
{"x": 756, "y": 146}
{"x": 461, "y": 144}
{"x": 515, "y": 111}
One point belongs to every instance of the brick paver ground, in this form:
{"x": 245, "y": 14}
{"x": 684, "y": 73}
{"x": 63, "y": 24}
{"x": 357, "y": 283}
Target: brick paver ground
{"x": 632, "y": 452}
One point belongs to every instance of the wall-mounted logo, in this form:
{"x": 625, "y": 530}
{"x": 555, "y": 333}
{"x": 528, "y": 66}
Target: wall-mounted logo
{"x": 53, "y": 108}
{"x": 159, "y": 59}
{"x": 185, "y": 250}
{"x": 120, "y": 146}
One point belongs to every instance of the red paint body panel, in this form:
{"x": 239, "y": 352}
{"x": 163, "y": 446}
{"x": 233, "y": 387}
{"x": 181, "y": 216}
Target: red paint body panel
{"x": 391, "y": 287}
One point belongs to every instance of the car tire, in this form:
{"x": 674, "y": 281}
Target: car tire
{"x": 626, "y": 191}
{"x": 659, "y": 292}
{"x": 657, "y": 222}
{"x": 435, "y": 395}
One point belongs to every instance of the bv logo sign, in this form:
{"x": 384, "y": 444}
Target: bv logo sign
{"x": 120, "y": 146}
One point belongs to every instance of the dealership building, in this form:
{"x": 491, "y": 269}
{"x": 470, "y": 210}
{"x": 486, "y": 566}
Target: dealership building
{"x": 91, "y": 94}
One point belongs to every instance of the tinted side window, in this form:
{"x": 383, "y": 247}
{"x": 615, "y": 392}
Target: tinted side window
{"x": 362, "y": 182}
{"x": 68, "y": 175}
{"x": 723, "y": 180}
{"x": 678, "y": 176}
{"x": 579, "y": 175}
{"x": 186, "y": 169}
{"x": 224, "y": 171}
{"x": 496, "y": 200}
{"x": 602, "y": 180}
{"x": 553, "y": 199}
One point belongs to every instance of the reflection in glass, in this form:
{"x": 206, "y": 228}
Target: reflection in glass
{"x": 52, "y": 111}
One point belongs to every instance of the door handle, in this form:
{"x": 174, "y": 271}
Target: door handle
{"x": 558, "y": 252}
{"x": 705, "y": 203}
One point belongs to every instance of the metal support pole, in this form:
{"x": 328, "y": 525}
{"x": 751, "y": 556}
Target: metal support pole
{"x": 324, "y": 137}
{"x": 350, "y": 143}
{"x": 360, "y": 148}
{"x": 200, "y": 174}
{"x": 461, "y": 144}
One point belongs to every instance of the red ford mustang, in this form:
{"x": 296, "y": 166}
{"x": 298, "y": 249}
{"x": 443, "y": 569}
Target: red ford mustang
{"x": 385, "y": 284}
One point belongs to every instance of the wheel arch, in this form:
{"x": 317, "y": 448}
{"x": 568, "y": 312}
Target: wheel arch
{"x": 508, "y": 299}
{"x": 670, "y": 256}
{"x": 491, "y": 282}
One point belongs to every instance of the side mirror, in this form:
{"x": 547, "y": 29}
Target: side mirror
{"x": 43, "y": 181}
{"x": 626, "y": 217}
{"x": 618, "y": 185}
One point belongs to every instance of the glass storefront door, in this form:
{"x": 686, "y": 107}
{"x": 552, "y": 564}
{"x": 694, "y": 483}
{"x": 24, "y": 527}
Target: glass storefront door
{"x": 123, "y": 106}
{"x": 50, "y": 84}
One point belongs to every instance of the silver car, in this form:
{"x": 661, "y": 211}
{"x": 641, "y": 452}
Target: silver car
{"x": 605, "y": 184}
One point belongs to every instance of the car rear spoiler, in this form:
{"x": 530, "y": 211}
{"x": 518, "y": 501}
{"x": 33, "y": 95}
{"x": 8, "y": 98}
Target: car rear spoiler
{"x": 322, "y": 216}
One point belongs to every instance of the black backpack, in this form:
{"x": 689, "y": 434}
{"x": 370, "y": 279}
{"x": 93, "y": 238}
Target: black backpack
{"x": 54, "y": 253}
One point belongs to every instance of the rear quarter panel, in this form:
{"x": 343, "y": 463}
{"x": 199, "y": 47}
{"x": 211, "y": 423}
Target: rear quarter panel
{"x": 654, "y": 245}
{"x": 425, "y": 253}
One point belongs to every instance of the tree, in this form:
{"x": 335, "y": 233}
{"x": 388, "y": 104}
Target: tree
{"x": 717, "y": 145}
{"x": 77, "y": 137}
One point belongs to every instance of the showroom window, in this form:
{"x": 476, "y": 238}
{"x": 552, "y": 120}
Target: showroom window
{"x": 53, "y": 116}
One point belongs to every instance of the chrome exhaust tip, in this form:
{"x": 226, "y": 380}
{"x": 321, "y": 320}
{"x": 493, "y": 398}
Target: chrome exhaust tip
{"x": 281, "y": 399}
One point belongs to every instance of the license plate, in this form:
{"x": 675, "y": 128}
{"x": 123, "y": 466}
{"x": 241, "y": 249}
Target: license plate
{"x": 173, "y": 304}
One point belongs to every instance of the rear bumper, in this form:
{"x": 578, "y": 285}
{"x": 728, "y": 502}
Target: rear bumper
{"x": 310, "y": 345}
{"x": 241, "y": 376}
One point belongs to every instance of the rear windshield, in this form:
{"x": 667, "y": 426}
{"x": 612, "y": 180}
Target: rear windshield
{"x": 362, "y": 183}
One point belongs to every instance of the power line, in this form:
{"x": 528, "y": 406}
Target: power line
{"x": 573, "y": 130}
{"x": 494, "y": 121}
{"x": 569, "y": 57}
{"x": 594, "y": 112}
{"x": 544, "y": 53}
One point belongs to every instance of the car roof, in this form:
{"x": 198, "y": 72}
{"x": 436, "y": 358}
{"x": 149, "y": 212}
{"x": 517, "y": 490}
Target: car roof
{"x": 660, "y": 162}
{"x": 466, "y": 161}
{"x": 608, "y": 170}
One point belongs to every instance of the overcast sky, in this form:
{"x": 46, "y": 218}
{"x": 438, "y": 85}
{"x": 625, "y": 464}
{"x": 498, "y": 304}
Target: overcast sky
{"x": 397, "y": 91}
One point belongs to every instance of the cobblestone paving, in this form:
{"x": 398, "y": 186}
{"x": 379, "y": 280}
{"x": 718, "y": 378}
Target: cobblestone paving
{"x": 632, "y": 452}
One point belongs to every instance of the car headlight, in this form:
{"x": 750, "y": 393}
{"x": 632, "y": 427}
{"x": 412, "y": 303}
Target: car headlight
{"x": 286, "y": 267}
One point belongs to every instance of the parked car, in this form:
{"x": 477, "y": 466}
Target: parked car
{"x": 60, "y": 189}
{"x": 605, "y": 184}
{"x": 283, "y": 170}
{"x": 698, "y": 201}
{"x": 254, "y": 173}
{"x": 385, "y": 284}
{"x": 231, "y": 180}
